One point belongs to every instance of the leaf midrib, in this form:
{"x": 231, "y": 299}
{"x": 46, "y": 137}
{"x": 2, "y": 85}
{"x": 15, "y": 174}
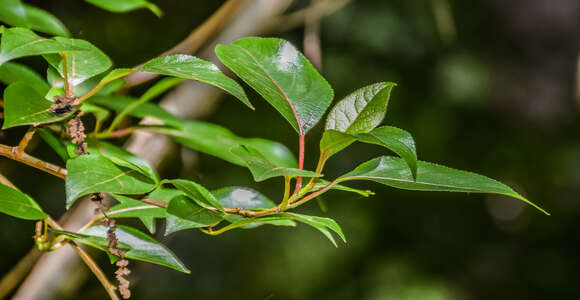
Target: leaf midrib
{"x": 301, "y": 130}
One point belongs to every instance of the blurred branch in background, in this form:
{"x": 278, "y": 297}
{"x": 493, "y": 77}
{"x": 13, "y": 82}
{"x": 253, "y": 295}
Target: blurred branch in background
{"x": 444, "y": 20}
{"x": 196, "y": 39}
{"x": 312, "y": 38}
{"x": 316, "y": 11}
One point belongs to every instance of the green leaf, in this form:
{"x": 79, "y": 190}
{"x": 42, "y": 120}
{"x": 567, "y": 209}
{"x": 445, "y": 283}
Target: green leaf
{"x": 86, "y": 64}
{"x": 13, "y": 13}
{"x": 100, "y": 113}
{"x": 217, "y": 141}
{"x": 131, "y": 208}
{"x": 19, "y": 205}
{"x": 187, "y": 209}
{"x": 190, "y": 67}
{"x": 262, "y": 169}
{"x": 11, "y": 72}
{"x": 321, "y": 183}
{"x": 198, "y": 193}
{"x": 283, "y": 76}
{"x": 333, "y": 141}
{"x": 24, "y": 106}
{"x": 250, "y": 223}
{"x": 122, "y": 157}
{"x": 119, "y": 103}
{"x": 140, "y": 246}
{"x": 393, "y": 171}
{"x": 55, "y": 143}
{"x": 242, "y": 197}
{"x": 94, "y": 173}
{"x": 397, "y": 140}
{"x": 362, "y": 110}
{"x": 43, "y": 21}
{"x": 122, "y": 6}
{"x": 173, "y": 223}
{"x": 158, "y": 88}
{"x": 20, "y": 42}
{"x": 110, "y": 82}
{"x": 322, "y": 224}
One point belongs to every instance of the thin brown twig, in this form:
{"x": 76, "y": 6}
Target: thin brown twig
{"x": 12, "y": 153}
{"x": 26, "y": 139}
{"x": 109, "y": 287}
{"x": 196, "y": 39}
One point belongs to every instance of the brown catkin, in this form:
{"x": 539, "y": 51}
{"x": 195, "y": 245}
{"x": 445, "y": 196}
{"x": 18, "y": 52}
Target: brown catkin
{"x": 76, "y": 129}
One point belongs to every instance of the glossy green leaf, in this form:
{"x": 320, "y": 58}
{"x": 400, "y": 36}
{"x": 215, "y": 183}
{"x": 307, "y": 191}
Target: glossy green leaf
{"x": 86, "y": 64}
{"x": 122, "y": 6}
{"x": 54, "y": 142}
{"x": 333, "y": 141}
{"x": 262, "y": 169}
{"x": 397, "y": 140}
{"x": 190, "y": 67}
{"x": 362, "y": 110}
{"x": 13, "y": 13}
{"x": 107, "y": 84}
{"x": 20, "y": 42}
{"x": 196, "y": 192}
{"x": 119, "y": 103}
{"x": 43, "y": 21}
{"x": 242, "y": 197}
{"x": 217, "y": 141}
{"x": 157, "y": 89}
{"x": 187, "y": 209}
{"x": 100, "y": 113}
{"x": 11, "y": 72}
{"x": 123, "y": 158}
{"x": 139, "y": 246}
{"x": 173, "y": 223}
{"x": 321, "y": 183}
{"x": 322, "y": 224}
{"x": 19, "y": 205}
{"x": 131, "y": 208}
{"x": 393, "y": 171}
{"x": 94, "y": 173}
{"x": 250, "y": 223}
{"x": 282, "y": 75}
{"x": 24, "y": 106}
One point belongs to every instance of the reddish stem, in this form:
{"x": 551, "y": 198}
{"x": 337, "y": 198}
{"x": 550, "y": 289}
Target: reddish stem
{"x": 300, "y": 163}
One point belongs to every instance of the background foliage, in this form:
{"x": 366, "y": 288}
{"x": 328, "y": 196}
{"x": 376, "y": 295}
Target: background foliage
{"x": 499, "y": 99}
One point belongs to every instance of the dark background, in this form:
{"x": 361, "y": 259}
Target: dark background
{"x": 498, "y": 97}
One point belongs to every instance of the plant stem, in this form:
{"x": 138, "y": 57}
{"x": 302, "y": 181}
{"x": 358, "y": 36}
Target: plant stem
{"x": 12, "y": 153}
{"x": 26, "y": 139}
{"x": 284, "y": 203}
{"x": 300, "y": 162}
{"x": 14, "y": 277}
{"x": 310, "y": 196}
{"x": 109, "y": 287}
{"x": 65, "y": 73}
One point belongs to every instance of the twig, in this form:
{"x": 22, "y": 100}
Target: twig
{"x": 109, "y": 287}
{"x": 316, "y": 11}
{"x": 26, "y": 139}
{"x": 197, "y": 38}
{"x": 310, "y": 196}
{"x": 12, "y": 153}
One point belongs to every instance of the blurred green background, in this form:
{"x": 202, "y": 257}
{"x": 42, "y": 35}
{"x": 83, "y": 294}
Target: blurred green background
{"x": 494, "y": 93}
